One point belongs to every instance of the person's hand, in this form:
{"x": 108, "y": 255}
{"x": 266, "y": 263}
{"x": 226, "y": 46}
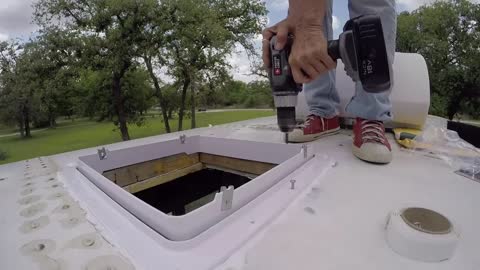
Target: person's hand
{"x": 281, "y": 30}
{"x": 309, "y": 57}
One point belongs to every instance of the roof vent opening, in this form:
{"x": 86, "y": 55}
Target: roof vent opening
{"x": 187, "y": 193}
{"x": 179, "y": 184}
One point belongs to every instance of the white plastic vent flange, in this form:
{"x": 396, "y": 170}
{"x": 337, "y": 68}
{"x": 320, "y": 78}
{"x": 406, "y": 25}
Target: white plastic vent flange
{"x": 432, "y": 242}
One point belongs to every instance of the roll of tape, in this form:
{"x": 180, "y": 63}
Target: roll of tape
{"x": 421, "y": 234}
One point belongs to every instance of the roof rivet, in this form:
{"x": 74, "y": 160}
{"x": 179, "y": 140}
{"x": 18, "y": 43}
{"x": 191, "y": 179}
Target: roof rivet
{"x": 88, "y": 242}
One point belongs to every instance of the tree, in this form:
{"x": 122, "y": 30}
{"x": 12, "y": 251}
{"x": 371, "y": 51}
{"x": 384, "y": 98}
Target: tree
{"x": 139, "y": 94}
{"x": 257, "y": 69}
{"x": 261, "y": 94}
{"x": 447, "y": 34}
{"x": 92, "y": 86}
{"x": 205, "y": 34}
{"x": 171, "y": 99}
{"x": 255, "y": 94}
{"x": 37, "y": 81}
{"x": 211, "y": 91}
{"x": 58, "y": 74}
{"x": 21, "y": 76}
{"x": 159, "y": 93}
{"x": 11, "y": 101}
{"x": 153, "y": 47}
{"x": 107, "y": 32}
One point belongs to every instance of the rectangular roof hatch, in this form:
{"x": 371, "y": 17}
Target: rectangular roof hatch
{"x": 233, "y": 172}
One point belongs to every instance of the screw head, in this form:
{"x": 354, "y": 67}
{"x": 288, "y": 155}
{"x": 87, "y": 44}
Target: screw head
{"x": 293, "y": 183}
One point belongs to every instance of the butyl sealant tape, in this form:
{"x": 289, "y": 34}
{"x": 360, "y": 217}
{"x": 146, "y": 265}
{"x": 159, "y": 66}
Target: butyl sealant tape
{"x": 421, "y": 234}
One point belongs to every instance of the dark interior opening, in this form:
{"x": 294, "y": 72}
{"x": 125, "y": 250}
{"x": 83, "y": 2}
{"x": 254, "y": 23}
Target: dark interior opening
{"x": 469, "y": 133}
{"x": 189, "y": 192}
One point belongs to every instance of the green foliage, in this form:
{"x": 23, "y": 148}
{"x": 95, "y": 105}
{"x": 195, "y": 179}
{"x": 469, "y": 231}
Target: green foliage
{"x": 93, "y": 95}
{"x": 261, "y": 93}
{"x": 108, "y": 36}
{"x": 94, "y": 88}
{"x": 11, "y": 99}
{"x": 138, "y": 95}
{"x": 36, "y": 83}
{"x": 447, "y": 34}
{"x": 171, "y": 99}
{"x": 256, "y": 94}
{"x": 22, "y": 80}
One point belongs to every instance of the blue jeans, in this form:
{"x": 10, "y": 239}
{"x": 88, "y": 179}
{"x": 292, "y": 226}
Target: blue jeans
{"x": 321, "y": 94}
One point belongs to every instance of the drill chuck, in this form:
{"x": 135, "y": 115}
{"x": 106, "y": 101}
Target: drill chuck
{"x": 286, "y": 119}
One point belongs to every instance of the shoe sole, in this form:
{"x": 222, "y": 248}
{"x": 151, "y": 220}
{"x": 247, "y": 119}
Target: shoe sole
{"x": 369, "y": 157}
{"x": 313, "y": 137}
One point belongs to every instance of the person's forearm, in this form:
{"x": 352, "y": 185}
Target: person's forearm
{"x": 307, "y": 12}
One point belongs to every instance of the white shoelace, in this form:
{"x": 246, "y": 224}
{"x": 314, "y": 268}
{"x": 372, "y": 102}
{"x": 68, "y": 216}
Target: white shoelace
{"x": 310, "y": 118}
{"x": 372, "y": 131}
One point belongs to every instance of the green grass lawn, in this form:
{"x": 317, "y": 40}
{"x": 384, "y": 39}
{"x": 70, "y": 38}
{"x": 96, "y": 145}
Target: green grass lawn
{"x": 69, "y": 136}
{"x": 6, "y": 129}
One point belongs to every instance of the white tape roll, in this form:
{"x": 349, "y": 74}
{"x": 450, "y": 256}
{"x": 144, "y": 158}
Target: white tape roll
{"x": 421, "y": 234}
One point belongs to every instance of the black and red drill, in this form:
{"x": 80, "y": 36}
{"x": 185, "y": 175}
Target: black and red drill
{"x": 362, "y": 49}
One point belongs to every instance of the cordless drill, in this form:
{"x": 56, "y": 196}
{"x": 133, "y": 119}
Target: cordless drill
{"x": 362, "y": 49}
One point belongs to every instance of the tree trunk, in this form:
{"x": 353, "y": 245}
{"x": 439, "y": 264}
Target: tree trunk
{"x": 454, "y": 107}
{"x": 170, "y": 113}
{"x": 21, "y": 126}
{"x": 192, "y": 101}
{"x": 181, "y": 111}
{"x": 119, "y": 106}
{"x": 26, "y": 118}
{"x": 161, "y": 101}
{"x": 51, "y": 120}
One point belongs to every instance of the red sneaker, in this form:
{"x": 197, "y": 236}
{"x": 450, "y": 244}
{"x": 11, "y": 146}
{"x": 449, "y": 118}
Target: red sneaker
{"x": 314, "y": 128}
{"x": 370, "y": 143}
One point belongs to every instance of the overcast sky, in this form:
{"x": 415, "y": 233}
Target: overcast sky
{"x": 15, "y": 22}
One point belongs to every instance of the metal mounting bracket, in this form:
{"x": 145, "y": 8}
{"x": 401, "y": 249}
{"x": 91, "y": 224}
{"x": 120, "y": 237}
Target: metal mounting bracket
{"x": 182, "y": 138}
{"x": 305, "y": 151}
{"x": 102, "y": 153}
{"x": 227, "y": 197}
